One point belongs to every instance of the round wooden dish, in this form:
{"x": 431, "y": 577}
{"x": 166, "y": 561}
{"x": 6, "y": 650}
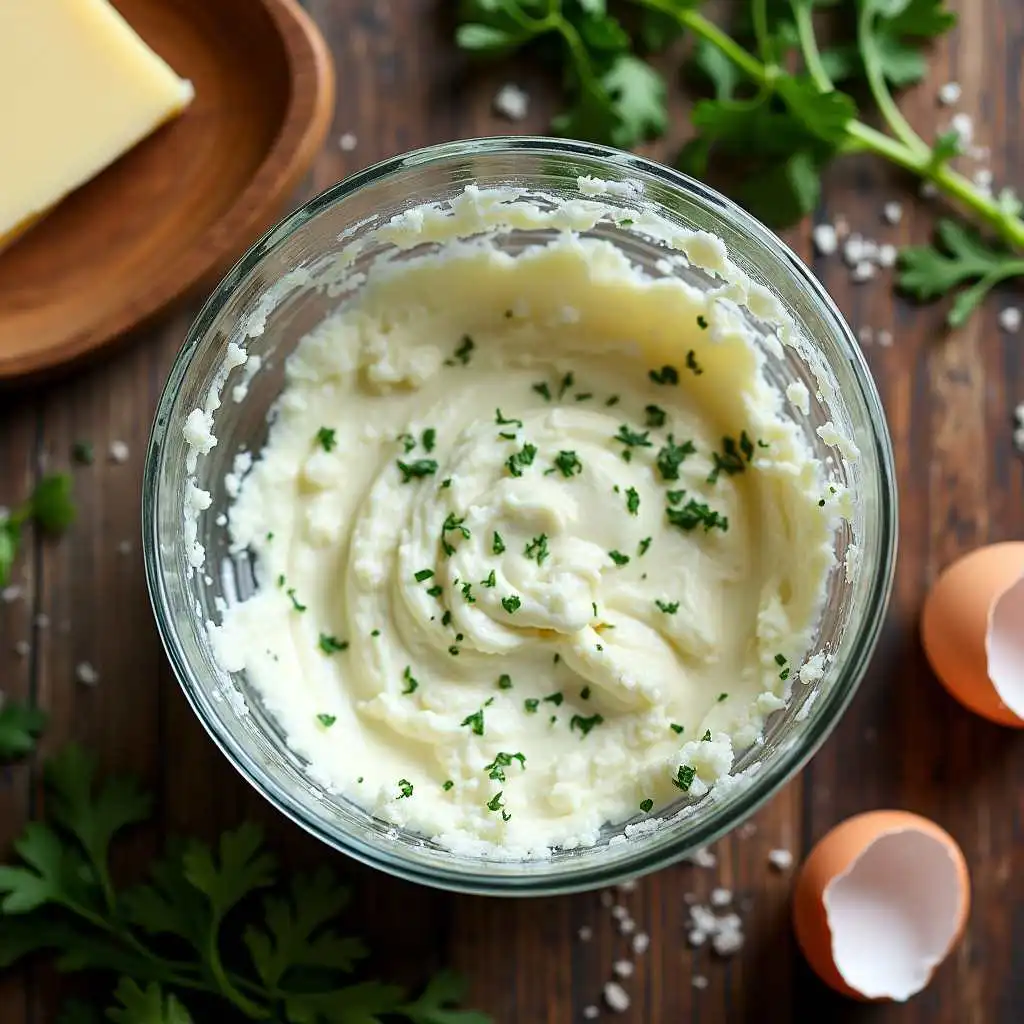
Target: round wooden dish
{"x": 184, "y": 204}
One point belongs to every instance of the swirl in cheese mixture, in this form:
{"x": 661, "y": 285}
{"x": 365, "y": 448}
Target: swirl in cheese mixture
{"x": 537, "y": 545}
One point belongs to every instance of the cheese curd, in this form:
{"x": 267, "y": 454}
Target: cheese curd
{"x": 537, "y": 544}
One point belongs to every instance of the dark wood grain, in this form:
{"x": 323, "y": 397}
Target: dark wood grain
{"x": 903, "y": 743}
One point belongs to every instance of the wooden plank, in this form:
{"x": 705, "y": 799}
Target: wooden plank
{"x": 903, "y": 742}
{"x": 19, "y": 418}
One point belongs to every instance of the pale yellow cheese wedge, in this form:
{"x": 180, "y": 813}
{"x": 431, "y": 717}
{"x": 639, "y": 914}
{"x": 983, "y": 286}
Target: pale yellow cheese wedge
{"x": 78, "y": 88}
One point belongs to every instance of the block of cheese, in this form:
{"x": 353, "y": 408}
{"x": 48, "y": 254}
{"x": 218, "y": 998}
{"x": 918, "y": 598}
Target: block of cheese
{"x": 78, "y": 88}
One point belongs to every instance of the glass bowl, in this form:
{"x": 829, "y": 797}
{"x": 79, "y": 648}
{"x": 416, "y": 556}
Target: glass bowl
{"x": 289, "y": 281}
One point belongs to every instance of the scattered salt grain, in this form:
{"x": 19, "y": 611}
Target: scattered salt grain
{"x": 124, "y": 548}
{"x": 700, "y": 982}
{"x": 607, "y": 899}
{"x": 781, "y": 860}
{"x": 949, "y": 93}
{"x": 725, "y": 931}
{"x": 118, "y": 451}
{"x": 628, "y": 886}
{"x": 825, "y": 239}
{"x": 854, "y": 250}
{"x": 586, "y": 933}
{"x": 627, "y": 926}
{"x": 86, "y": 674}
{"x": 720, "y": 897}
{"x": 616, "y": 997}
{"x": 748, "y": 830}
{"x": 41, "y": 621}
{"x": 702, "y": 857}
{"x": 865, "y": 335}
{"x": 1009, "y": 319}
{"x": 623, "y": 968}
{"x": 864, "y": 271}
{"x": 347, "y": 142}
{"x": 887, "y": 255}
{"x": 892, "y": 212}
{"x": 641, "y": 943}
{"x": 10, "y": 594}
{"x": 512, "y": 102}
{"x": 1018, "y": 414}
{"x": 884, "y": 338}
{"x": 22, "y": 648}
{"x": 928, "y": 190}
{"x": 591, "y": 1013}
{"x": 963, "y": 125}
{"x": 620, "y": 913}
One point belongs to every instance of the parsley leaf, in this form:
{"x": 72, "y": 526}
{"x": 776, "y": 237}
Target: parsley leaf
{"x": 149, "y": 1005}
{"x": 416, "y": 470}
{"x": 331, "y": 644}
{"x": 666, "y": 375}
{"x": 537, "y": 549}
{"x": 569, "y": 464}
{"x": 585, "y": 724}
{"x": 463, "y": 352}
{"x": 684, "y": 777}
{"x": 695, "y": 513}
{"x": 961, "y": 257}
{"x": 20, "y": 726}
{"x": 734, "y": 457}
{"x": 672, "y": 456}
{"x": 292, "y": 963}
{"x": 524, "y": 457}
{"x": 656, "y": 416}
{"x": 632, "y": 439}
{"x": 502, "y": 760}
{"x": 50, "y": 507}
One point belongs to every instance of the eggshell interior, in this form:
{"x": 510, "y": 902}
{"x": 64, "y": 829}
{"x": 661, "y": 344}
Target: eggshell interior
{"x": 895, "y": 913}
{"x": 1004, "y": 647}
{"x": 879, "y": 901}
{"x": 957, "y": 630}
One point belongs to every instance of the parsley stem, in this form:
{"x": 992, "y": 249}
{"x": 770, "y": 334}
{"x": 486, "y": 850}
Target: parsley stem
{"x": 894, "y": 118}
{"x": 213, "y": 962}
{"x": 760, "y": 18}
{"x": 809, "y": 46}
{"x": 907, "y": 150}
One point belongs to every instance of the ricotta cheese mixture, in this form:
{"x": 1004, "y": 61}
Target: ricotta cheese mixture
{"x": 538, "y": 544}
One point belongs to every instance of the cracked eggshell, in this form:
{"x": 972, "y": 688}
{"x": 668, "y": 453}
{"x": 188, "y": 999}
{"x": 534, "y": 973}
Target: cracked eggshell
{"x": 879, "y": 904}
{"x": 972, "y": 629}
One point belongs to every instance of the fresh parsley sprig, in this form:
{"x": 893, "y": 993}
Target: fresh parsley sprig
{"x": 292, "y": 964}
{"x": 20, "y": 726}
{"x": 50, "y": 507}
{"x": 776, "y": 115}
{"x": 612, "y": 95}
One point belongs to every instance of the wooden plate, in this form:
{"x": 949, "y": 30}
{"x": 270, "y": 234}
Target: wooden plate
{"x": 180, "y": 207}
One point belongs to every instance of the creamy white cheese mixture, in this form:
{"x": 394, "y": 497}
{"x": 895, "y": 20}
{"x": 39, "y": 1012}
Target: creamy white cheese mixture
{"x": 537, "y": 544}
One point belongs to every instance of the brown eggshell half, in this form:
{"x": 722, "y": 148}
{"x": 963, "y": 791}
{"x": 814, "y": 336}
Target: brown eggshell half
{"x": 833, "y": 856}
{"x": 954, "y": 624}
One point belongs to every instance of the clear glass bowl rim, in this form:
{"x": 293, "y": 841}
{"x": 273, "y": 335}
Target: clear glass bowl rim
{"x": 700, "y": 831}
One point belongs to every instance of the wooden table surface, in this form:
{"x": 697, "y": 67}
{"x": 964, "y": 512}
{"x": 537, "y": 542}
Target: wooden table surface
{"x": 903, "y": 743}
